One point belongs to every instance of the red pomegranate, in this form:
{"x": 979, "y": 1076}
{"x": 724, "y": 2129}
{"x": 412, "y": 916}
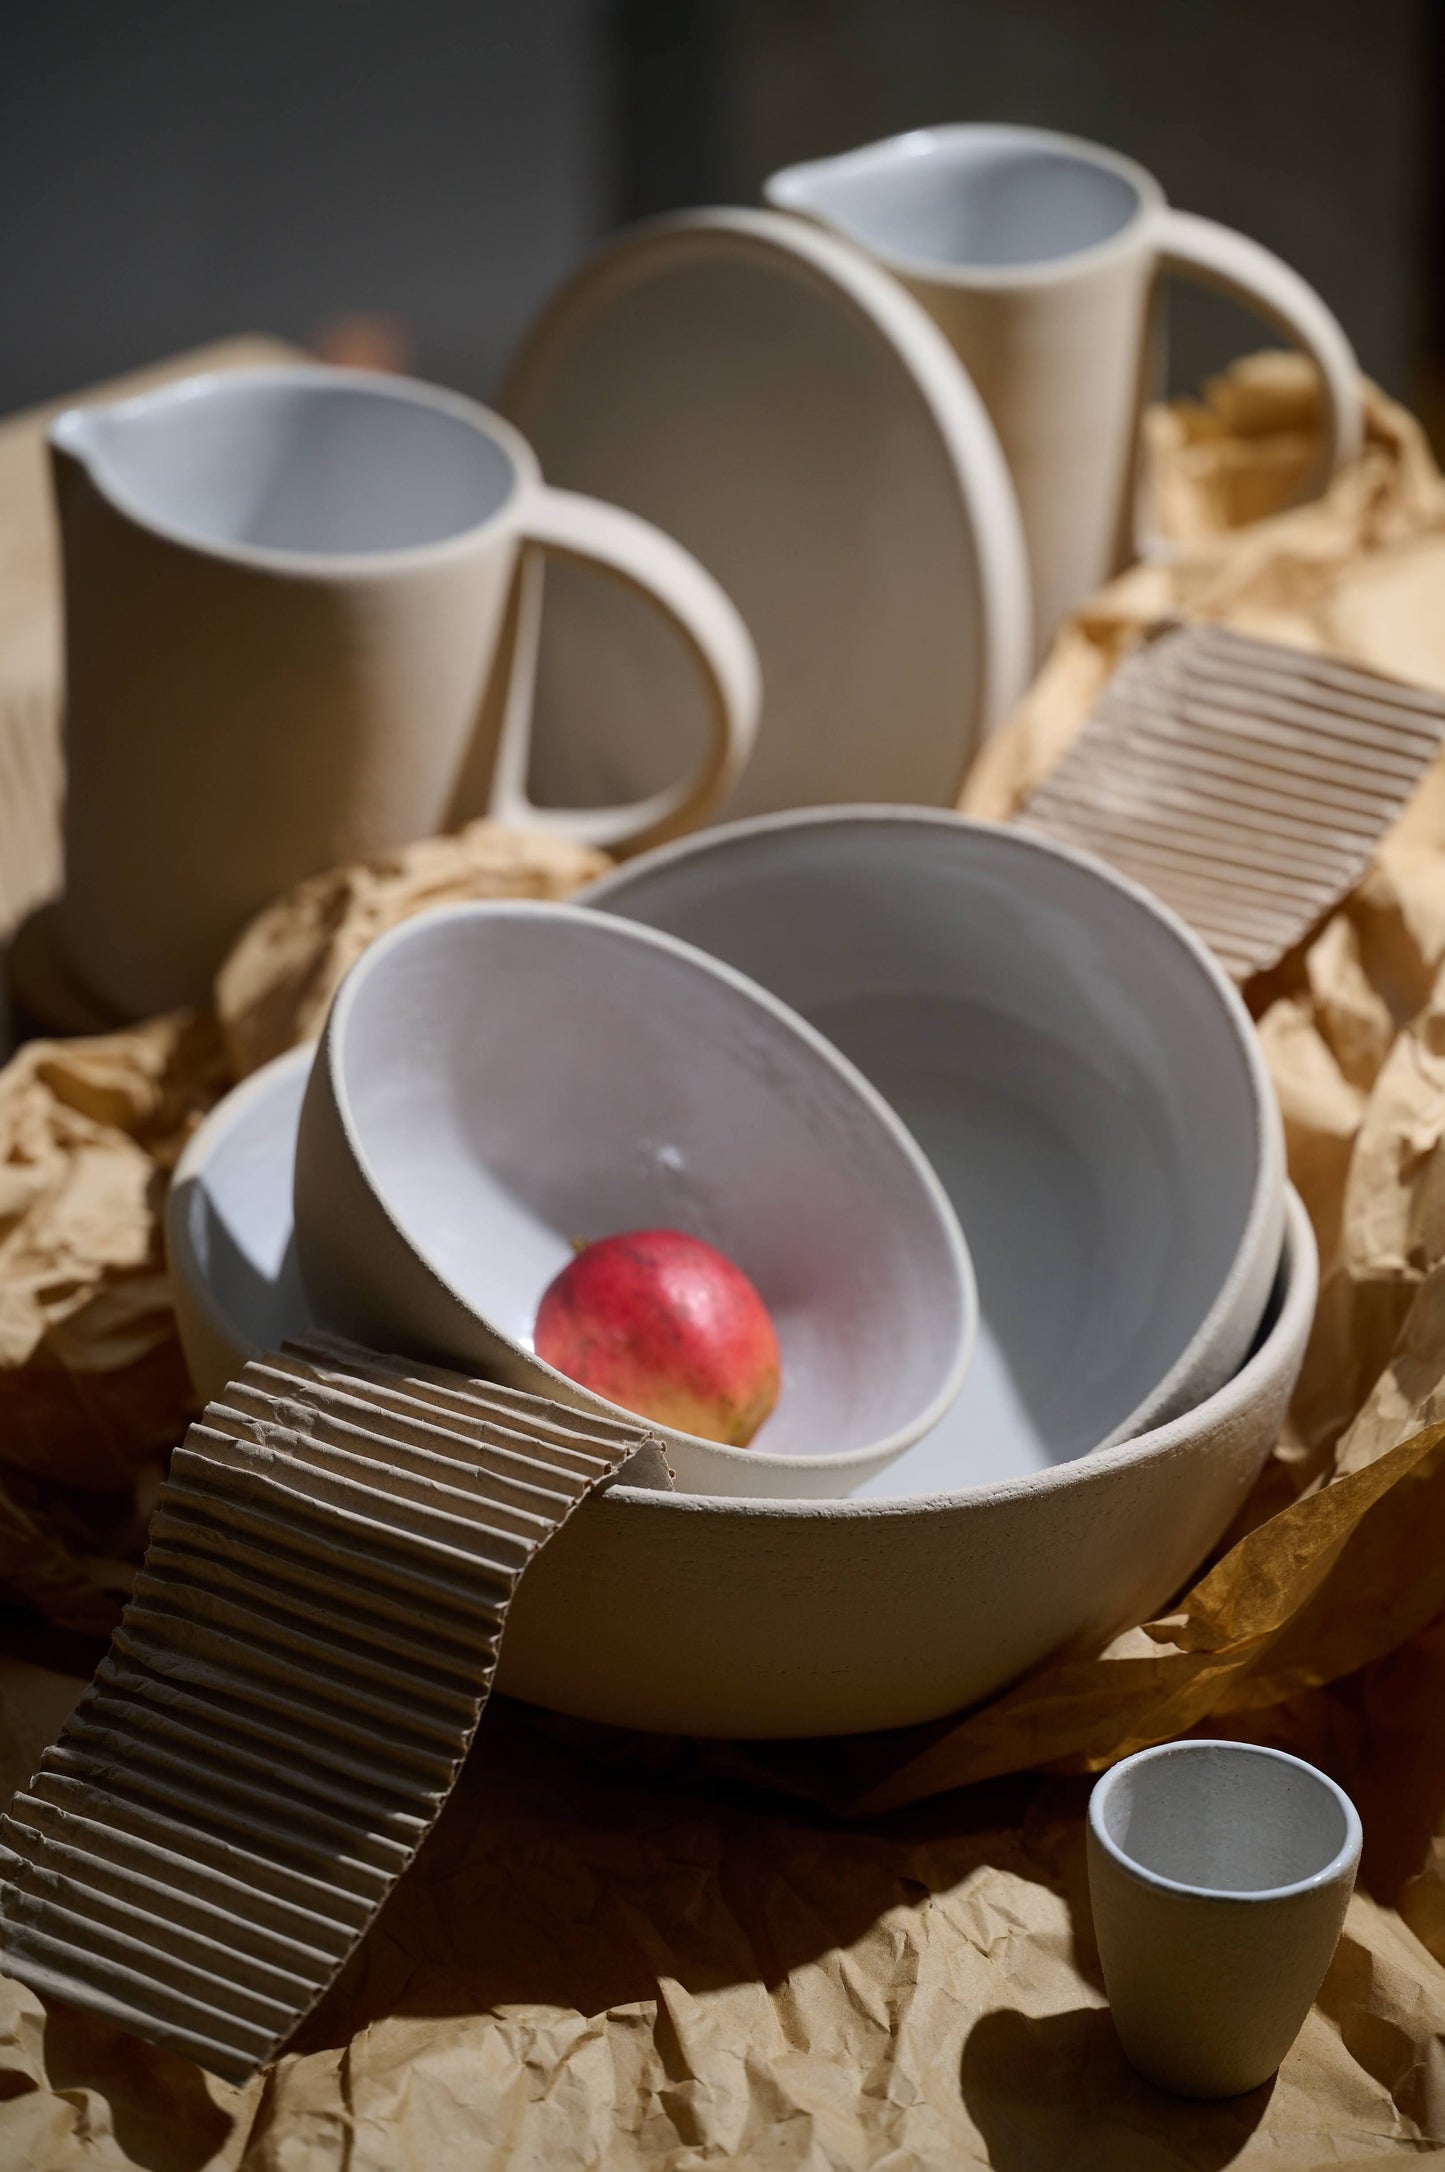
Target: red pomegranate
{"x": 666, "y": 1326}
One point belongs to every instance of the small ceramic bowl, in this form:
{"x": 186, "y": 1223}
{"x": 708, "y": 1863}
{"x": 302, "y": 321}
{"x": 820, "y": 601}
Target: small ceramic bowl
{"x": 1076, "y": 1066}
{"x": 831, "y": 1616}
{"x": 497, "y": 1081}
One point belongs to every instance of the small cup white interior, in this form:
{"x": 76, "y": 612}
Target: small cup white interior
{"x": 1224, "y": 1818}
{"x": 979, "y": 198}
{"x": 297, "y": 462}
{"x": 521, "y": 1078}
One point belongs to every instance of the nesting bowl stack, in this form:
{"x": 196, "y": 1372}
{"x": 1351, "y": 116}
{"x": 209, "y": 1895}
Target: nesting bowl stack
{"x": 1088, "y": 1088}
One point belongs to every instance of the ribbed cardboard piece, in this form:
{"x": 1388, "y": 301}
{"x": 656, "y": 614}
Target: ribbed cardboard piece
{"x": 1244, "y": 783}
{"x": 291, "y": 1692}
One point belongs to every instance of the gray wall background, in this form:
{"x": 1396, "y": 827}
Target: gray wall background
{"x": 171, "y": 172}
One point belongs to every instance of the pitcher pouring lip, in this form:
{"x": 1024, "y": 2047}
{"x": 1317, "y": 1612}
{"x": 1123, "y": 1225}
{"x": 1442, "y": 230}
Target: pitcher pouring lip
{"x": 213, "y": 462}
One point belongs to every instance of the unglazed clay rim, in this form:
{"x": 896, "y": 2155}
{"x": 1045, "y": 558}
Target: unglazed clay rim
{"x": 1269, "y": 1160}
{"x": 938, "y": 271}
{"x": 1298, "y": 1276}
{"x": 968, "y": 442}
{"x": 418, "y": 929}
{"x": 209, "y": 385}
{"x": 1344, "y": 1859}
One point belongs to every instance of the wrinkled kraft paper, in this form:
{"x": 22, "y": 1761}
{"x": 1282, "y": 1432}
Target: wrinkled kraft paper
{"x": 620, "y": 1951}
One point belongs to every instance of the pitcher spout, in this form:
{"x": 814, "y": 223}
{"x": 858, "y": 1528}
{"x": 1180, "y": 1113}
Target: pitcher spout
{"x": 76, "y": 435}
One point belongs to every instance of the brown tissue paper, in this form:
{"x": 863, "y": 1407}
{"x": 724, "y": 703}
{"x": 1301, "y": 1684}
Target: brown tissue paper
{"x": 616, "y": 1951}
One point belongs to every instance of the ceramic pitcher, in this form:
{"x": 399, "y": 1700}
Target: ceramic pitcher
{"x": 299, "y": 607}
{"x": 1037, "y": 255}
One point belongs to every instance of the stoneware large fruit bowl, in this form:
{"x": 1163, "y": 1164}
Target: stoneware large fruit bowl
{"x": 802, "y": 1617}
{"x": 496, "y": 1082}
{"x": 1078, "y": 1069}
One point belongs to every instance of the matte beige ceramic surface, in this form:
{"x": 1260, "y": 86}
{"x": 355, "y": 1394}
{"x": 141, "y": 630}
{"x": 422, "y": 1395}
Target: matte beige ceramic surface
{"x": 1077, "y": 1068}
{"x": 1037, "y": 255}
{"x": 784, "y": 409}
{"x": 292, "y": 615}
{"x": 781, "y": 1618}
{"x": 1219, "y": 1875}
{"x": 497, "y": 1081}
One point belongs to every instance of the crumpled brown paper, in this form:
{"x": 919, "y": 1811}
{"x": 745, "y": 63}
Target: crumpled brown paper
{"x": 92, "y": 1387}
{"x": 616, "y": 1952}
{"x": 276, "y": 987}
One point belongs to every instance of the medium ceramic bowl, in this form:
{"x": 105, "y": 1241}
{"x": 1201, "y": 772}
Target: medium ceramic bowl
{"x": 753, "y": 1617}
{"x": 495, "y": 1081}
{"x": 1082, "y": 1076}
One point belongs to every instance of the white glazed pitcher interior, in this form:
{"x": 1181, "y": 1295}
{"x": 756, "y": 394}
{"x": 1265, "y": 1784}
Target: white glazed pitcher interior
{"x": 990, "y": 199}
{"x": 297, "y": 464}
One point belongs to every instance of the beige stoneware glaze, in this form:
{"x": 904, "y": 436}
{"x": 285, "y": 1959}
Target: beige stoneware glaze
{"x": 295, "y": 636}
{"x": 784, "y": 408}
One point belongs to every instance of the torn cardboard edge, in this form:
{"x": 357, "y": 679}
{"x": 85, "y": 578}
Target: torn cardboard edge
{"x": 291, "y": 1693}
{"x": 1245, "y": 783}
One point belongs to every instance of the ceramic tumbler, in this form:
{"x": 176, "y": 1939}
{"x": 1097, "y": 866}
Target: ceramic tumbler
{"x": 1219, "y": 1875}
{"x": 300, "y": 607}
{"x": 1037, "y": 255}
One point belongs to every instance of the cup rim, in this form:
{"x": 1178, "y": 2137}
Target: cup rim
{"x": 781, "y": 191}
{"x": 871, "y": 1453}
{"x": 1344, "y": 1858}
{"x": 68, "y": 428}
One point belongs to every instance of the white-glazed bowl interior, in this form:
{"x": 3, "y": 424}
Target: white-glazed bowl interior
{"x": 1078, "y": 1071}
{"x": 512, "y": 1078}
{"x": 1225, "y": 1819}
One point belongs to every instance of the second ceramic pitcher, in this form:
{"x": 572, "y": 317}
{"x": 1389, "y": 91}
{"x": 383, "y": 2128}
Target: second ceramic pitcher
{"x": 1036, "y": 254}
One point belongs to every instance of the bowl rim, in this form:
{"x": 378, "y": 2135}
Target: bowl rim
{"x": 1267, "y": 1192}
{"x": 1298, "y": 1276}
{"x": 423, "y": 926}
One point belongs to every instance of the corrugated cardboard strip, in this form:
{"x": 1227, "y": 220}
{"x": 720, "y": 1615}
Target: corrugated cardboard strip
{"x": 290, "y": 1694}
{"x": 1245, "y": 783}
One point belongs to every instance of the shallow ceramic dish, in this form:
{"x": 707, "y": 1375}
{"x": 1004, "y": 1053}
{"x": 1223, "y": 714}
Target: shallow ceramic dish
{"x": 1077, "y": 1068}
{"x": 781, "y": 1618}
{"x": 795, "y": 418}
{"x": 495, "y": 1081}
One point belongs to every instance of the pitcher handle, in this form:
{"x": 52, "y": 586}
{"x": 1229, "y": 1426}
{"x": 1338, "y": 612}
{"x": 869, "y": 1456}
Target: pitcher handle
{"x": 592, "y": 533}
{"x": 1254, "y": 276}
